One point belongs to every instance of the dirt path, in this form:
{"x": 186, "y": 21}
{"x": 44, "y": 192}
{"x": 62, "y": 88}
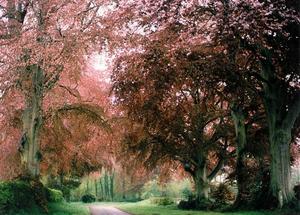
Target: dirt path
{"x": 105, "y": 210}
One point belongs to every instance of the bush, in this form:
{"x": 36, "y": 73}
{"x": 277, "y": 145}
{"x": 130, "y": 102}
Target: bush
{"x": 15, "y": 195}
{"x": 54, "y": 195}
{"x": 162, "y": 201}
{"x": 222, "y": 194}
{"x": 187, "y": 193}
{"x": 88, "y": 198}
{"x": 187, "y": 205}
{"x": 203, "y": 204}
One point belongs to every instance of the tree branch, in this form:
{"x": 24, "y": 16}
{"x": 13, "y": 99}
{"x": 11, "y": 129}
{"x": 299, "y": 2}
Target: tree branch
{"x": 216, "y": 169}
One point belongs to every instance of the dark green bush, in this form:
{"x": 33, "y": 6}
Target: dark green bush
{"x": 187, "y": 205}
{"x": 163, "y": 201}
{"x": 54, "y": 195}
{"x": 88, "y": 198}
{"x": 203, "y": 204}
{"x": 15, "y": 195}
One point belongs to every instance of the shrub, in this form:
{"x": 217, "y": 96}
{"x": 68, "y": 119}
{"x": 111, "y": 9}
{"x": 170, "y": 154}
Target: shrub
{"x": 16, "y": 195}
{"x": 222, "y": 194}
{"x": 54, "y": 195}
{"x": 151, "y": 189}
{"x": 187, "y": 193}
{"x": 162, "y": 201}
{"x": 203, "y": 204}
{"x": 88, "y": 198}
{"x": 187, "y": 205}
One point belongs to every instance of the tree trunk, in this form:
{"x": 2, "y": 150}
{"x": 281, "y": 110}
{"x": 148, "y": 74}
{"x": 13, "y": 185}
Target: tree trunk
{"x": 96, "y": 188}
{"x": 241, "y": 140}
{"x": 281, "y": 116}
{"x": 112, "y": 186}
{"x": 280, "y": 166}
{"x": 106, "y": 186}
{"x": 123, "y": 188}
{"x": 88, "y": 184}
{"x": 32, "y": 121}
{"x": 101, "y": 189}
{"x": 201, "y": 182}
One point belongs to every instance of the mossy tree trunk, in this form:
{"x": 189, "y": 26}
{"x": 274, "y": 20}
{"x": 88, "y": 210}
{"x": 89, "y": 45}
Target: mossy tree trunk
{"x": 241, "y": 141}
{"x": 32, "y": 122}
{"x": 200, "y": 178}
{"x": 198, "y": 171}
{"x": 282, "y": 113}
{"x": 201, "y": 183}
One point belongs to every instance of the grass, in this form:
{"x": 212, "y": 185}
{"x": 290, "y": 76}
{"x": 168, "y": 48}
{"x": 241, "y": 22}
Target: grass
{"x": 139, "y": 208}
{"x": 68, "y": 209}
{"x": 58, "y": 209}
{"x": 146, "y": 208}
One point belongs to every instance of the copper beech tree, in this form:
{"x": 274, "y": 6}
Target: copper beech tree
{"x": 45, "y": 46}
{"x": 258, "y": 48}
{"x": 176, "y": 114}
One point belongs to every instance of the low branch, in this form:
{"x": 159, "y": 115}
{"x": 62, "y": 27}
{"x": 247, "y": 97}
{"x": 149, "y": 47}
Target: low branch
{"x": 217, "y": 168}
{"x": 93, "y": 112}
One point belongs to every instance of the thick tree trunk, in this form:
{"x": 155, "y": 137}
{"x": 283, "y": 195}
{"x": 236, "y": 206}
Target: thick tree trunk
{"x": 201, "y": 182}
{"x": 32, "y": 121}
{"x": 281, "y": 116}
{"x": 280, "y": 165}
{"x": 241, "y": 140}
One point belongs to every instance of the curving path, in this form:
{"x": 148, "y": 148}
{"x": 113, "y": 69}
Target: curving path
{"x": 105, "y": 210}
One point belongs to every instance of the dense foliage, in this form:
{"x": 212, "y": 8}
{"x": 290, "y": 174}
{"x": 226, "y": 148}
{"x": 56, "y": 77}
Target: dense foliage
{"x": 88, "y": 198}
{"x": 54, "y": 195}
{"x": 189, "y": 89}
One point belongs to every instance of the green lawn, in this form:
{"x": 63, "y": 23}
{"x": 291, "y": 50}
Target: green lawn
{"x": 58, "y": 209}
{"x": 140, "y": 208}
{"x": 68, "y": 209}
{"x": 145, "y": 208}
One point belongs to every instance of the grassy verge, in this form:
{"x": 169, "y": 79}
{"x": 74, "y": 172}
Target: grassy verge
{"x": 68, "y": 209}
{"x": 139, "y": 208}
{"x": 58, "y": 209}
{"x": 146, "y": 208}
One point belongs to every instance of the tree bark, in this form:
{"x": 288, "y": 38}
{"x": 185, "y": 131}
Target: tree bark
{"x": 280, "y": 166}
{"x": 281, "y": 117}
{"x": 32, "y": 121}
{"x": 241, "y": 140}
{"x": 201, "y": 181}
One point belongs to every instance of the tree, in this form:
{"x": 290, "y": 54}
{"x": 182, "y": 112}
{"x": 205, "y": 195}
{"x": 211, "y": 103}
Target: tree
{"x": 265, "y": 35}
{"x": 43, "y": 43}
{"x": 176, "y": 114}
{"x": 258, "y": 41}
